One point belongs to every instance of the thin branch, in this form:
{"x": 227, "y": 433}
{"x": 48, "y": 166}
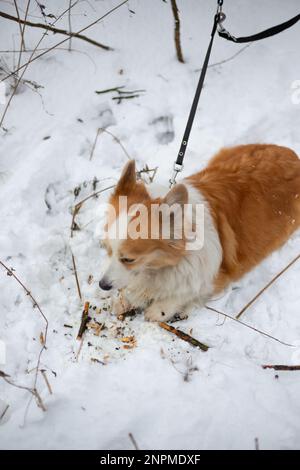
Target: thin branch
{"x": 249, "y": 326}
{"x": 33, "y": 390}
{"x": 280, "y": 367}
{"x": 183, "y": 336}
{"x": 65, "y": 40}
{"x": 4, "y": 412}
{"x": 267, "y": 286}
{"x": 11, "y": 273}
{"x": 19, "y": 79}
{"x": 80, "y": 203}
{"x": 76, "y": 276}
{"x": 48, "y": 27}
{"x": 84, "y": 320}
{"x": 134, "y": 443}
{"x": 24, "y": 68}
{"x": 70, "y": 25}
{"x": 177, "y": 31}
{"x": 20, "y": 27}
{"x": 43, "y": 372}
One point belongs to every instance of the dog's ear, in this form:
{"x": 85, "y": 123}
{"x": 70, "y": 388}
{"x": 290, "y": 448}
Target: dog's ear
{"x": 177, "y": 195}
{"x": 127, "y": 180}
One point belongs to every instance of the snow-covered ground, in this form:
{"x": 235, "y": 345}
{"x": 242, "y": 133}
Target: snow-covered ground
{"x": 163, "y": 391}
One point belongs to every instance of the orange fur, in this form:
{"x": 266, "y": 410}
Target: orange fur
{"x": 254, "y": 195}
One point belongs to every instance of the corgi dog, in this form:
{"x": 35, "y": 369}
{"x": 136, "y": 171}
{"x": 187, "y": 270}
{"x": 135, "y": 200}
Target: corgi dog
{"x": 250, "y": 200}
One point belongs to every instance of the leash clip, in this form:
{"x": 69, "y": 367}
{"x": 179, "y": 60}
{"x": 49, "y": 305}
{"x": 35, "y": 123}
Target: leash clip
{"x": 177, "y": 168}
{"x": 221, "y": 19}
{"x": 220, "y": 7}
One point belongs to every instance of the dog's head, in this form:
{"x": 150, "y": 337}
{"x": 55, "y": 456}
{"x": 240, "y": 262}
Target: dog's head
{"x": 141, "y": 233}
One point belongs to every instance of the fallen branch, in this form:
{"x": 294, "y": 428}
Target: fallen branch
{"x": 84, "y": 320}
{"x": 280, "y": 367}
{"x": 48, "y": 27}
{"x": 267, "y": 286}
{"x": 177, "y": 31}
{"x": 184, "y": 336}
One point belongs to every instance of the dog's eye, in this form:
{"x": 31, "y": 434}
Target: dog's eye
{"x": 127, "y": 260}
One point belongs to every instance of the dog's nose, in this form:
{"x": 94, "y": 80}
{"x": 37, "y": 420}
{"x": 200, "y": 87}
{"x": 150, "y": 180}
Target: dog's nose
{"x": 104, "y": 284}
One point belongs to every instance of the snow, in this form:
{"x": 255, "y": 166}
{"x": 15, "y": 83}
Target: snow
{"x": 227, "y": 400}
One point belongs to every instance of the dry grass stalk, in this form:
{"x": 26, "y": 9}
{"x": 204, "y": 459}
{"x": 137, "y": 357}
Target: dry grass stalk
{"x": 78, "y": 206}
{"x": 43, "y": 372}
{"x": 184, "y": 336}
{"x": 101, "y": 130}
{"x": 266, "y": 287}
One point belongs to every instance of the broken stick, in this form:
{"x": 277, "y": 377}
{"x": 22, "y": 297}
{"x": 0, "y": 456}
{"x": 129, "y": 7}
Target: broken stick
{"x": 84, "y": 320}
{"x": 184, "y": 336}
{"x": 280, "y": 367}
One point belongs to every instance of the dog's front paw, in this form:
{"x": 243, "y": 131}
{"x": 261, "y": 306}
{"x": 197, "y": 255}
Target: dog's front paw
{"x": 160, "y": 311}
{"x": 121, "y": 305}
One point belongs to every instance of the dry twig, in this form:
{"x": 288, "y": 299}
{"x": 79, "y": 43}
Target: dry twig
{"x": 51, "y": 28}
{"x": 267, "y": 286}
{"x": 43, "y": 372}
{"x": 4, "y": 412}
{"x": 70, "y": 25}
{"x": 280, "y": 367}
{"x": 184, "y": 336}
{"x": 248, "y": 326}
{"x": 80, "y": 203}
{"x": 84, "y": 320}
{"x": 32, "y": 59}
{"x": 177, "y": 31}
{"x": 33, "y": 390}
{"x": 76, "y": 277}
{"x": 24, "y": 68}
{"x": 134, "y": 443}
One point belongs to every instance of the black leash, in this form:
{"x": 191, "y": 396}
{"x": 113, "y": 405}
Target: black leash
{"x": 218, "y": 20}
{"x": 178, "y": 165}
{"x": 223, "y": 33}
